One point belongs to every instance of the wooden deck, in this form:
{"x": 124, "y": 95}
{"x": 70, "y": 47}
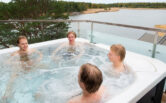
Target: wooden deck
{"x": 149, "y": 38}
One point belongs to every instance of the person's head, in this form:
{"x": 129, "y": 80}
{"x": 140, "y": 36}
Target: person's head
{"x": 117, "y": 53}
{"x": 90, "y": 78}
{"x": 22, "y": 43}
{"x": 71, "y": 36}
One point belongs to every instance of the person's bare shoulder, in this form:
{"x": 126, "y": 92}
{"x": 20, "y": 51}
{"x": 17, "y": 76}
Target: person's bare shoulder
{"x": 75, "y": 100}
{"x": 102, "y": 89}
{"x": 72, "y": 101}
{"x": 14, "y": 53}
{"x": 32, "y": 50}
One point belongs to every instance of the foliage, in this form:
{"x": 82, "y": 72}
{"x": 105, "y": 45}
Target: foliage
{"x": 46, "y": 9}
{"x": 34, "y": 31}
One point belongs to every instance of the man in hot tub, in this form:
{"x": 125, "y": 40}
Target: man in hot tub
{"x": 27, "y": 57}
{"x": 119, "y": 73}
{"x": 116, "y": 56}
{"x": 22, "y": 60}
{"x": 90, "y": 79}
{"x": 70, "y": 50}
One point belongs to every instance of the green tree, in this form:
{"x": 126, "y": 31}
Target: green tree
{"x": 35, "y": 32}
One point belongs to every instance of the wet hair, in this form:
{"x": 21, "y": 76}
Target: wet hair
{"x": 91, "y": 77}
{"x": 71, "y": 32}
{"x": 21, "y": 37}
{"x": 119, "y": 50}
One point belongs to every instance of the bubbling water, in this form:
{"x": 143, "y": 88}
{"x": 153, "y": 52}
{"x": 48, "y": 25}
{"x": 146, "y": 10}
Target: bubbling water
{"x": 55, "y": 78}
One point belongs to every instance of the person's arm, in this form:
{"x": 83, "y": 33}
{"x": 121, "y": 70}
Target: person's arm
{"x": 14, "y": 53}
{"x": 11, "y": 58}
{"x": 56, "y": 50}
{"x": 40, "y": 55}
{"x": 130, "y": 70}
{"x": 9, "y": 86}
{"x": 81, "y": 50}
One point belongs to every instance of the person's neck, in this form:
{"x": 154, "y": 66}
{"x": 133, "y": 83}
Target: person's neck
{"x": 119, "y": 66}
{"x": 71, "y": 43}
{"x": 86, "y": 94}
{"x": 23, "y": 51}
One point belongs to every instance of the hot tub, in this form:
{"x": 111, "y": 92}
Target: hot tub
{"x": 57, "y": 82}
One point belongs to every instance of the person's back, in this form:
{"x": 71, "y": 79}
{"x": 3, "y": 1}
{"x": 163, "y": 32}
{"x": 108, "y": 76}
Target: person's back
{"x": 90, "y": 80}
{"x": 93, "y": 98}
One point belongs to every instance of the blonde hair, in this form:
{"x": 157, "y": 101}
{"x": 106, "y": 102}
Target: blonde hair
{"x": 71, "y": 32}
{"x": 91, "y": 76}
{"x": 21, "y": 37}
{"x": 119, "y": 50}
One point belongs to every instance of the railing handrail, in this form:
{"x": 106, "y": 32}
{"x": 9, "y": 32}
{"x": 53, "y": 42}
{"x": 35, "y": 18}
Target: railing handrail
{"x": 91, "y": 21}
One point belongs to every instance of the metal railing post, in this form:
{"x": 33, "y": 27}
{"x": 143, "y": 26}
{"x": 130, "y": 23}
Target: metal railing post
{"x": 91, "y": 35}
{"x": 78, "y": 29}
{"x": 154, "y": 45}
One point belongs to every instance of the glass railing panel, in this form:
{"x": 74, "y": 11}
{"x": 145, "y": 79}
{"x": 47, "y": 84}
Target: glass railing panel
{"x": 133, "y": 45}
{"x": 161, "y": 47}
{"x": 136, "y": 40}
{"x": 82, "y": 29}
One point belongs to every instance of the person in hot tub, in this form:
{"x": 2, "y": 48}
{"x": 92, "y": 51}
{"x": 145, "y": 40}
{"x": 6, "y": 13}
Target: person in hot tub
{"x": 22, "y": 60}
{"x": 90, "y": 80}
{"x": 69, "y": 50}
{"x": 119, "y": 74}
{"x": 116, "y": 55}
{"x": 27, "y": 57}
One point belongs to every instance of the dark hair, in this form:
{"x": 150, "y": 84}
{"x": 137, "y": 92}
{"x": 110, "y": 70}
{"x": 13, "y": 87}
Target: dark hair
{"x": 19, "y": 38}
{"x": 71, "y": 32}
{"x": 91, "y": 76}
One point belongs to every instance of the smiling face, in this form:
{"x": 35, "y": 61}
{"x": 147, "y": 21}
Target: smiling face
{"x": 71, "y": 37}
{"x": 23, "y": 44}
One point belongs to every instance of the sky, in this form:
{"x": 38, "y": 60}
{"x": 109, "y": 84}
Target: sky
{"x": 106, "y": 1}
